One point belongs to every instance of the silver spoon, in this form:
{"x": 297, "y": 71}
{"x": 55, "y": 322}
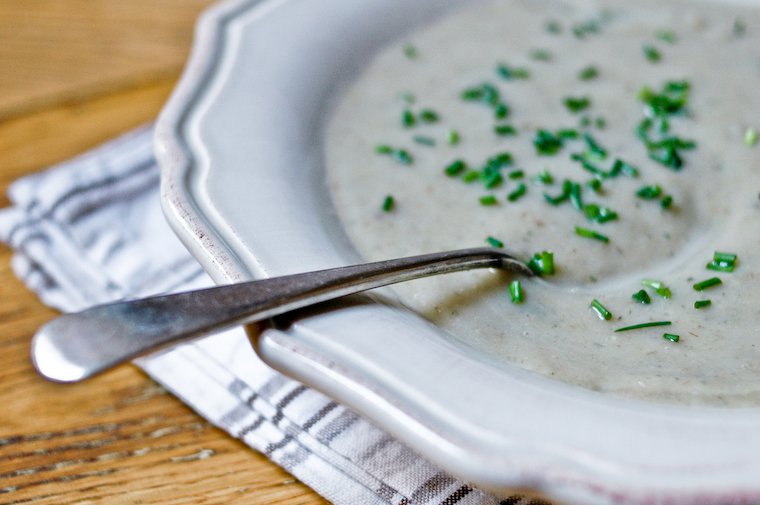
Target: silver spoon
{"x": 76, "y": 346}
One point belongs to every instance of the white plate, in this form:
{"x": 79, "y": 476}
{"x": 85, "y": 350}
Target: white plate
{"x": 240, "y": 144}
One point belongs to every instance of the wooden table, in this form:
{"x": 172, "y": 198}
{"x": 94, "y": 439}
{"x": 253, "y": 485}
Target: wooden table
{"x": 74, "y": 73}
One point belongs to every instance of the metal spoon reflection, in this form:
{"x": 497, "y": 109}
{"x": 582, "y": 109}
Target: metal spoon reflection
{"x": 76, "y": 346}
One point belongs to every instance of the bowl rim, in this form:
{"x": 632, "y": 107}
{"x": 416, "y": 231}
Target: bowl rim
{"x": 559, "y": 469}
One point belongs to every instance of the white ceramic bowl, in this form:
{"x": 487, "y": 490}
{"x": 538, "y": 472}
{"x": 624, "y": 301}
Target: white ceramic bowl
{"x": 240, "y": 145}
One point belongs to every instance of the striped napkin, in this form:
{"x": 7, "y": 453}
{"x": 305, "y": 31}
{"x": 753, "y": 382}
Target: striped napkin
{"x": 91, "y": 230}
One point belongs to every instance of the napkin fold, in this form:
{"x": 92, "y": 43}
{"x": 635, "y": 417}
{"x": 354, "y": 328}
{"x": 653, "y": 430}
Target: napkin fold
{"x": 91, "y": 230}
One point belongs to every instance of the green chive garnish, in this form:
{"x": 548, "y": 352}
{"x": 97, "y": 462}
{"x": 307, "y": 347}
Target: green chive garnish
{"x": 586, "y": 233}
{"x": 410, "y": 51}
{"x": 517, "y": 193}
{"x": 707, "y": 283}
{"x": 700, "y": 304}
{"x": 751, "y": 136}
{"x": 388, "y": 203}
{"x": 553, "y": 27}
{"x": 588, "y": 73}
{"x": 453, "y": 137}
{"x": 542, "y": 263}
{"x": 668, "y": 36}
{"x": 488, "y": 200}
{"x": 508, "y": 72}
{"x": 505, "y": 130}
{"x": 575, "y": 195}
{"x": 455, "y": 168}
{"x": 659, "y": 287}
{"x": 671, "y": 336}
{"x": 494, "y": 242}
{"x": 407, "y": 118}
{"x": 429, "y": 116}
{"x": 649, "y": 192}
{"x": 723, "y": 262}
{"x": 666, "y": 202}
{"x": 516, "y": 174}
{"x": 544, "y": 177}
{"x": 547, "y": 143}
{"x": 541, "y": 55}
{"x": 516, "y": 291}
{"x": 471, "y": 176}
{"x": 594, "y": 149}
{"x": 576, "y": 104}
{"x": 599, "y": 214}
{"x": 643, "y": 325}
{"x": 562, "y": 197}
{"x": 621, "y": 167}
{"x": 400, "y": 155}
{"x": 422, "y": 139}
{"x": 642, "y": 296}
{"x": 500, "y": 111}
{"x": 601, "y": 310}
{"x": 652, "y": 54}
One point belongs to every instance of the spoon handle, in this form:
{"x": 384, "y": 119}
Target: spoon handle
{"x": 76, "y": 346}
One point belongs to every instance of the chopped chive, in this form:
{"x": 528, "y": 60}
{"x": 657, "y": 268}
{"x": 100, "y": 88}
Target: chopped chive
{"x": 508, "y": 72}
{"x": 505, "y": 130}
{"x": 671, "y": 336}
{"x": 588, "y": 166}
{"x": 751, "y": 136}
{"x": 666, "y": 202}
{"x": 707, "y": 283}
{"x": 586, "y": 233}
{"x": 388, "y": 203}
{"x": 642, "y": 296}
{"x": 544, "y": 177}
{"x": 517, "y": 193}
{"x": 471, "y": 176}
{"x": 598, "y": 214}
{"x": 700, "y": 304}
{"x": 501, "y": 111}
{"x": 553, "y": 27}
{"x": 492, "y": 179}
{"x": 649, "y": 192}
{"x": 595, "y": 185}
{"x": 516, "y": 291}
{"x": 652, "y": 54}
{"x": 410, "y": 51}
{"x": 643, "y": 325}
{"x": 547, "y": 143}
{"x": 429, "y": 116}
{"x": 488, "y": 200}
{"x": 455, "y": 168}
{"x": 562, "y": 197}
{"x": 542, "y": 263}
{"x": 494, "y": 242}
{"x": 422, "y": 139}
{"x": 472, "y": 94}
{"x": 600, "y": 123}
{"x": 541, "y": 55}
{"x": 516, "y": 174}
{"x": 668, "y": 36}
{"x": 575, "y": 195}
{"x": 588, "y": 73}
{"x": 594, "y": 148}
{"x": 576, "y": 104}
{"x": 568, "y": 133}
{"x": 601, "y": 310}
{"x": 407, "y": 118}
{"x": 659, "y": 287}
{"x": 621, "y": 167}
{"x": 580, "y": 30}
{"x": 402, "y": 156}
{"x": 723, "y": 262}
{"x": 453, "y": 137}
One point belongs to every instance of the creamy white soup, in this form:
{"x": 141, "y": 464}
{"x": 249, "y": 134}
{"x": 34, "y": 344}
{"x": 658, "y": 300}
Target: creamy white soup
{"x": 493, "y": 124}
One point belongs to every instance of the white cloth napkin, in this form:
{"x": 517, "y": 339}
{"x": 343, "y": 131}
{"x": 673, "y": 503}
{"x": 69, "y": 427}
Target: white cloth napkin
{"x": 91, "y": 230}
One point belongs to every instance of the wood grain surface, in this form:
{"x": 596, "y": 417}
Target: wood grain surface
{"x": 74, "y": 73}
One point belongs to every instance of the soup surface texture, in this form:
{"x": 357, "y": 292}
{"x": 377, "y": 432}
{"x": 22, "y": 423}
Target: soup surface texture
{"x": 495, "y": 121}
